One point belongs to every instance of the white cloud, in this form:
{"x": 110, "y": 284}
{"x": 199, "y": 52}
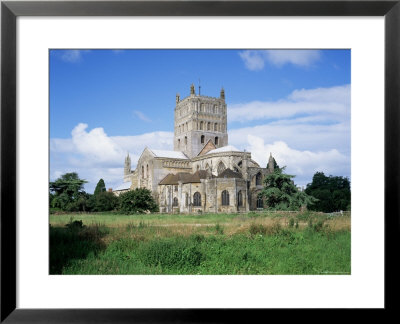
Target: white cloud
{"x": 72, "y": 56}
{"x": 303, "y": 164}
{"x": 94, "y": 154}
{"x": 299, "y": 136}
{"x": 255, "y": 59}
{"x": 141, "y": 116}
{"x": 332, "y": 103}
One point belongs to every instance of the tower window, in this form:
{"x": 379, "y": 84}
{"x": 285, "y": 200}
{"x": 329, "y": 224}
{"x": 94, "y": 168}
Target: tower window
{"x": 201, "y": 125}
{"x": 147, "y": 170}
{"x": 208, "y": 126}
{"x": 215, "y": 127}
{"x": 179, "y": 143}
{"x": 185, "y": 140}
{"x": 225, "y": 198}
{"x": 202, "y": 139}
{"x": 142, "y": 172}
{"x": 216, "y": 141}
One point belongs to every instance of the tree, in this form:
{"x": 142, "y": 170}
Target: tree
{"x": 333, "y": 193}
{"x": 137, "y": 201}
{"x": 105, "y": 201}
{"x": 281, "y": 194}
{"x": 66, "y": 191}
{"x": 100, "y": 187}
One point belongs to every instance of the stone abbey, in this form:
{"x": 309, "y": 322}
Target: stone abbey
{"x": 203, "y": 173}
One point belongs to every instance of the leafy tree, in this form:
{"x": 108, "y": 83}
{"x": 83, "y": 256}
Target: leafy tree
{"x": 105, "y": 201}
{"x": 66, "y": 191}
{"x": 281, "y": 194}
{"x": 137, "y": 201}
{"x": 333, "y": 193}
{"x": 100, "y": 187}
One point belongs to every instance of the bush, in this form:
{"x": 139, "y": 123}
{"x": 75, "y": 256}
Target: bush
{"x": 137, "y": 201}
{"x": 257, "y": 229}
{"x": 104, "y": 201}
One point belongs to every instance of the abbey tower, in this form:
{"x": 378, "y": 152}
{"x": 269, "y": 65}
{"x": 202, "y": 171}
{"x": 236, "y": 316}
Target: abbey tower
{"x": 199, "y": 119}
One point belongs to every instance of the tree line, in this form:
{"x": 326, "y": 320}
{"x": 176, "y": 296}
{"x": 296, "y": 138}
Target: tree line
{"x": 67, "y": 194}
{"x": 325, "y": 193}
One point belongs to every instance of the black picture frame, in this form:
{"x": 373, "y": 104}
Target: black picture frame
{"x": 10, "y": 10}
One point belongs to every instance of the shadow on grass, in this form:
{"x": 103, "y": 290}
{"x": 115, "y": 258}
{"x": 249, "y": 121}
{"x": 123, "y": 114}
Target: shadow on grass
{"x": 75, "y": 241}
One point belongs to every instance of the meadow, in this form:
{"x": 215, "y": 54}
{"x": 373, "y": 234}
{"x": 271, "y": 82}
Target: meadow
{"x": 252, "y": 243}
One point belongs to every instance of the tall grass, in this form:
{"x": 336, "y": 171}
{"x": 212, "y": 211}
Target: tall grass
{"x": 258, "y": 245}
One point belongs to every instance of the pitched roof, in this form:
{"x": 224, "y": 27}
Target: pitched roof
{"x": 228, "y": 173}
{"x": 209, "y": 146}
{"x": 228, "y": 148}
{"x": 184, "y": 177}
{"x": 169, "y": 154}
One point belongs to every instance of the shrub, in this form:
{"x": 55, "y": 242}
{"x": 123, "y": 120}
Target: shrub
{"x": 104, "y": 201}
{"x": 257, "y": 229}
{"x": 137, "y": 201}
{"x": 291, "y": 222}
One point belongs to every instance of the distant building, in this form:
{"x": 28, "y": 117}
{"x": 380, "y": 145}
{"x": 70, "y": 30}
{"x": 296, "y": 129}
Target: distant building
{"x": 202, "y": 173}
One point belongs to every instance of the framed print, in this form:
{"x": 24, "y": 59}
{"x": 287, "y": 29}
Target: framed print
{"x": 41, "y": 40}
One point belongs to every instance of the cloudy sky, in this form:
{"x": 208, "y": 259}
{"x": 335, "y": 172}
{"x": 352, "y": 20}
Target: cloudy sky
{"x": 105, "y": 103}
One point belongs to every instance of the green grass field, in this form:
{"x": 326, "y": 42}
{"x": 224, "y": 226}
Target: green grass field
{"x": 253, "y": 243}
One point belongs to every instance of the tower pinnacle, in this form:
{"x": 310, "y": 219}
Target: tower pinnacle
{"x": 222, "y": 94}
{"x": 192, "y": 92}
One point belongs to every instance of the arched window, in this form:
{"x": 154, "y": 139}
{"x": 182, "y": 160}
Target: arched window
{"x": 260, "y": 202}
{"x": 147, "y": 171}
{"x": 187, "y": 127}
{"x": 258, "y": 179}
{"x": 179, "y": 143}
{"x": 197, "y": 199}
{"x": 198, "y": 167}
{"x": 142, "y": 172}
{"x": 202, "y": 139}
{"x": 221, "y": 168}
{"x": 207, "y": 166}
{"x": 185, "y": 140}
{"x": 225, "y": 198}
{"x": 175, "y": 203}
{"x": 240, "y": 199}
{"x": 240, "y": 164}
{"x": 215, "y": 127}
{"x": 208, "y": 126}
{"x": 201, "y": 125}
{"x": 216, "y": 141}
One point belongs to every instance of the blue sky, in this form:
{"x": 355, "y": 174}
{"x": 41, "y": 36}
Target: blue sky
{"x": 103, "y": 103}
